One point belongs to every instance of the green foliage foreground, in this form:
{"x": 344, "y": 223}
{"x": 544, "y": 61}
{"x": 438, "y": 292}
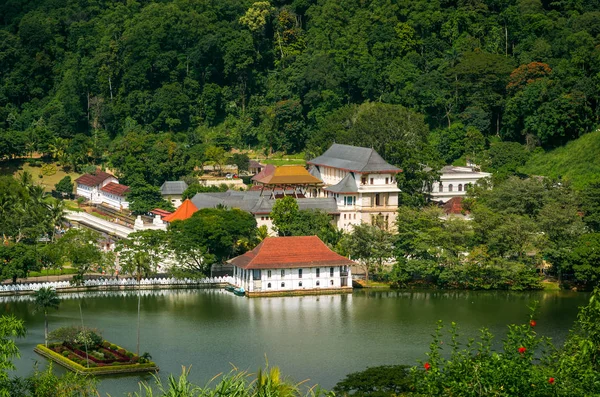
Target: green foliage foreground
{"x": 525, "y": 365}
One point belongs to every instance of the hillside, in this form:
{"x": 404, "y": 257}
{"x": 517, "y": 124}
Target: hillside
{"x": 577, "y": 161}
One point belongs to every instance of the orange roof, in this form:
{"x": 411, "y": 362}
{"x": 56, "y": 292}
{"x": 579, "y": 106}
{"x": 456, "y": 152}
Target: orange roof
{"x": 185, "y": 211}
{"x": 290, "y": 252}
{"x": 289, "y": 175}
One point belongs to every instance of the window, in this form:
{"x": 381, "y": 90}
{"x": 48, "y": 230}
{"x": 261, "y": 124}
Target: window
{"x": 377, "y": 200}
{"x": 344, "y": 216}
{"x": 353, "y": 200}
{"x": 354, "y": 216}
{"x": 331, "y": 282}
{"x": 269, "y": 285}
{"x": 318, "y": 272}
{"x": 256, "y": 274}
{"x": 371, "y": 181}
{"x": 387, "y": 180}
{"x": 299, "y": 273}
{"x": 282, "y": 272}
{"x": 460, "y": 187}
{"x": 441, "y": 187}
{"x": 330, "y": 272}
{"x": 450, "y": 187}
{"x": 300, "y": 284}
{"x": 268, "y": 273}
{"x": 363, "y": 180}
{"x": 282, "y": 285}
{"x": 318, "y": 283}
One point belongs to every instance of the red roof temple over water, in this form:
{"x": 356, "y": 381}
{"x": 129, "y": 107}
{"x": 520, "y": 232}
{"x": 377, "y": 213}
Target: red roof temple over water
{"x": 302, "y": 264}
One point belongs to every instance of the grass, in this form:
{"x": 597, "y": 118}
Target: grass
{"x": 279, "y": 162}
{"x": 15, "y": 166}
{"x": 577, "y": 162}
{"x": 548, "y": 285}
{"x": 52, "y": 272}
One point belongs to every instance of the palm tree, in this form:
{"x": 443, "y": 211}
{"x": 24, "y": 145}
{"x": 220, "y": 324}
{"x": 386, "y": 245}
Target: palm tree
{"x": 46, "y": 298}
{"x": 56, "y": 215}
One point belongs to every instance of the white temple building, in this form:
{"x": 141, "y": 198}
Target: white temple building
{"x": 454, "y": 182}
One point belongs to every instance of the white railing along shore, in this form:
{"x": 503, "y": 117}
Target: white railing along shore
{"x": 112, "y": 282}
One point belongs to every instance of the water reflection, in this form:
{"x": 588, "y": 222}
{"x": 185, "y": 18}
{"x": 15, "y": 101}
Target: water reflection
{"x": 318, "y": 337}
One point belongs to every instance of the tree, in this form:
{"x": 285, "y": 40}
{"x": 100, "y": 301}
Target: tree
{"x": 65, "y": 186}
{"x": 17, "y": 260}
{"x": 143, "y": 198}
{"x": 590, "y": 205}
{"x": 46, "y": 298}
{"x": 142, "y": 253}
{"x": 80, "y": 247}
{"x": 241, "y": 160}
{"x": 370, "y": 245}
{"x": 585, "y": 260}
{"x": 211, "y": 235}
{"x": 284, "y": 214}
{"x": 10, "y": 327}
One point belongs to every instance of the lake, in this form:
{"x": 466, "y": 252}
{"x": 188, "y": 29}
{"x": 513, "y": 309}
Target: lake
{"x": 320, "y": 338}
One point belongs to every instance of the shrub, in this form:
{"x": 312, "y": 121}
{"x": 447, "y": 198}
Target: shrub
{"x": 113, "y": 347}
{"x": 129, "y": 354}
{"x": 66, "y": 353}
{"x": 122, "y": 351}
{"x": 106, "y": 344}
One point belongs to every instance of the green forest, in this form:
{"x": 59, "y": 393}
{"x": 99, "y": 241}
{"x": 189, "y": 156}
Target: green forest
{"x": 147, "y": 86}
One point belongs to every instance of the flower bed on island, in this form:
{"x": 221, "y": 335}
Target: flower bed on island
{"x": 86, "y": 353}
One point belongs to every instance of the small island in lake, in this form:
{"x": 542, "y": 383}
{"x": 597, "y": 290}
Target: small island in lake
{"x": 85, "y": 352}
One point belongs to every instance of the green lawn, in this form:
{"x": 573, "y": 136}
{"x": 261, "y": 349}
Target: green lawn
{"x": 279, "y": 162}
{"x": 578, "y": 161}
{"x": 15, "y": 166}
{"x": 52, "y": 272}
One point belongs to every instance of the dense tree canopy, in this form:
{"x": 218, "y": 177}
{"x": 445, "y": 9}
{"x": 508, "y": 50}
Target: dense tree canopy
{"x": 153, "y": 82}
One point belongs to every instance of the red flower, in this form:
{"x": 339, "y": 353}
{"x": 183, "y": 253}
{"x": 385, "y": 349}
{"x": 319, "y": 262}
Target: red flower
{"x": 551, "y": 381}
{"x": 427, "y": 366}
{"x": 532, "y": 323}
{"x": 522, "y": 350}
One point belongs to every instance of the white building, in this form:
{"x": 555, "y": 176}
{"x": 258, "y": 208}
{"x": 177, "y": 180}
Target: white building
{"x": 454, "y": 182}
{"x": 362, "y": 183}
{"x": 284, "y": 264}
{"x": 88, "y": 185}
{"x": 172, "y": 191}
{"x": 103, "y": 188}
{"x": 114, "y": 195}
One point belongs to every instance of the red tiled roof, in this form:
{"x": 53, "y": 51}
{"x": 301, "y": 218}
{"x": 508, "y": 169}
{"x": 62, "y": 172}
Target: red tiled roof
{"x": 454, "y": 206}
{"x": 290, "y": 252}
{"x": 185, "y": 211}
{"x": 160, "y": 212}
{"x": 115, "y": 188}
{"x": 268, "y": 170}
{"x": 93, "y": 179}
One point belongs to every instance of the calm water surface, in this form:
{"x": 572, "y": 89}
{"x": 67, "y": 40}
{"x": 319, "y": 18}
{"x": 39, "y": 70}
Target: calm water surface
{"x": 321, "y": 338}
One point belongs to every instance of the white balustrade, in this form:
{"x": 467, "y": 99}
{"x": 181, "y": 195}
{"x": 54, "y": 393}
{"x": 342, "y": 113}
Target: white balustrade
{"x": 111, "y": 282}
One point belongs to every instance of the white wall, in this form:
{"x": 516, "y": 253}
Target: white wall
{"x": 291, "y": 279}
{"x": 113, "y": 200}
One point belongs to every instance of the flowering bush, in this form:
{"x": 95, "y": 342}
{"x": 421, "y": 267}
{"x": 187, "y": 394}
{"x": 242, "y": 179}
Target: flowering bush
{"x": 527, "y": 364}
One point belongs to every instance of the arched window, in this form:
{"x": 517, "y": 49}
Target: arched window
{"x": 282, "y": 285}
{"x": 450, "y": 187}
{"x": 269, "y": 285}
{"x": 460, "y": 187}
{"x": 318, "y": 283}
{"x": 441, "y": 187}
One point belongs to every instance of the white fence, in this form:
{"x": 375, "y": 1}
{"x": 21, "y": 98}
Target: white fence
{"x": 122, "y": 282}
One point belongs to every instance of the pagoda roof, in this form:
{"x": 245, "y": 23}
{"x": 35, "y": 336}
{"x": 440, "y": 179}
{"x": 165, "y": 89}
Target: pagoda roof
{"x": 354, "y": 158}
{"x": 289, "y": 175}
{"x": 185, "y": 211}
{"x": 290, "y": 252}
{"x": 346, "y": 185}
